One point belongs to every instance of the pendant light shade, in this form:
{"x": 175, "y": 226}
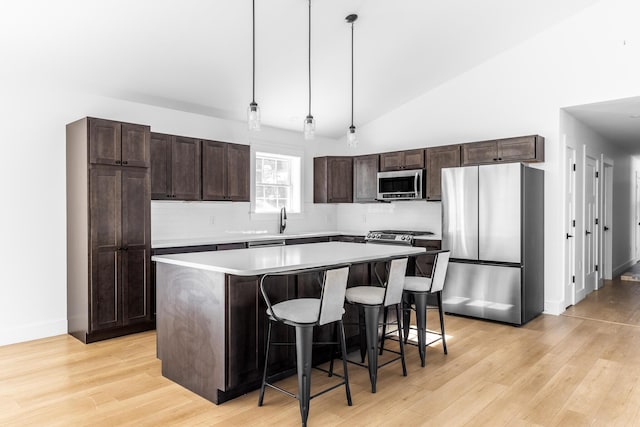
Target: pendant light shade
{"x": 253, "y": 111}
{"x": 309, "y": 121}
{"x": 352, "y": 138}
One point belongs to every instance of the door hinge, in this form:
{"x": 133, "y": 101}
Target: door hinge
{"x": 597, "y": 174}
{"x": 596, "y": 221}
{"x": 573, "y": 222}
{"x": 574, "y": 167}
{"x": 596, "y": 267}
{"x": 573, "y": 279}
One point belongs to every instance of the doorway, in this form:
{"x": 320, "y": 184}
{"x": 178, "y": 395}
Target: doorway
{"x": 570, "y": 226}
{"x": 606, "y": 221}
{"x": 590, "y": 223}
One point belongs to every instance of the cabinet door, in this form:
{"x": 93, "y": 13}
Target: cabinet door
{"x": 136, "y": 239}
{"x": 185, "y": 168}
{"x": 160, "y": 166}
{"x": 437, "y": 158}
{"x": 238, "y": 172}
{"x": 391, "y": 161}
{"x": 517, "y": 149}
{"x": 365, "y": 178}
{"x": 243, "y": 337}
{"x": 105, "y": 143}
{"x": 340, "y": 180}
{"x": 413, "y": 159}
{"x": 105, "y": 226}
{"x": 214, "y": 170}
{"x": 135, "y": 145}
{"x": 477, "y": 153}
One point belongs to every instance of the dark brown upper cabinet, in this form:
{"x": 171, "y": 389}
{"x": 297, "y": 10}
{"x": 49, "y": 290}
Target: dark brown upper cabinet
{"x": 519, "y": 149}
{"x": 447, "y": 156}
{"x": 365, "y": 178}
{"x": 175, "y": 167}
{"x": 333, "y": 179}
{"x": 116, "y": 143}
{"x": 225, "y": 171}
{"x": 397, "y": 160}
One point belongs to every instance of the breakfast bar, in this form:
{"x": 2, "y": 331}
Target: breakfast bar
{"x": 211, "y": 318}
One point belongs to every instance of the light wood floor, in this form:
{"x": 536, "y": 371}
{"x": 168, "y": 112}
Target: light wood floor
{"x": 556, "y": 370}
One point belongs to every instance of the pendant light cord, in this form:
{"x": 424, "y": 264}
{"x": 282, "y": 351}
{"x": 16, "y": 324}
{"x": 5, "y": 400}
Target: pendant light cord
{"x": 253, "y": 98}
{"x": 351, "y": 74}
{"x": 309, "y": 57}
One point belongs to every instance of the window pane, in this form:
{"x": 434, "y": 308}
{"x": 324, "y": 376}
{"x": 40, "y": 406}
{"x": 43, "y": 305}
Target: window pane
{"x": 268, "y": 171}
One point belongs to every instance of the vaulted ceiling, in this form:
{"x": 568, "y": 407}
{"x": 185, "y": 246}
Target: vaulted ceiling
{"x": 195, "y": 55}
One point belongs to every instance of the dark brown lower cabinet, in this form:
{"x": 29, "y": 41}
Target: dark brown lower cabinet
{"x": 424, "y": 263}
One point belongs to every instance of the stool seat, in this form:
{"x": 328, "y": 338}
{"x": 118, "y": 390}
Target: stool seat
{"x": 297, "y": 311}
{"x": 368, "y": 295}
{"x": 417, "y": 284}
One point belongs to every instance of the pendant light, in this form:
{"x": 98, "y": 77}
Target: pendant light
{"x": 352, "y": 138}
{"x": 253, "y": 112}
{"x": 309, "y": 122}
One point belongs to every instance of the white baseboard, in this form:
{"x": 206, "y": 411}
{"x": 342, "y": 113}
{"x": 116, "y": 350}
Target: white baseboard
{"x": 624, "y": 267}
{"x": 554, "y": 307}
{"x": 32, "y": 331}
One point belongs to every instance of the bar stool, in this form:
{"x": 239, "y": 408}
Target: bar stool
{"x": 303, "y": 314}
{"x": 418, "y": 289}
{"x": 373, "y": 299}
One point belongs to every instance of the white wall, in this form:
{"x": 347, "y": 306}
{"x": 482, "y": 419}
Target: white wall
{"x": 592, "y": 56}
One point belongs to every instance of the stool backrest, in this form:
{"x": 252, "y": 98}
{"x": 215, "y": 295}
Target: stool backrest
{"x": 395, "y": 282}
{"x": 439, "y": 272}
{"x": 333, "y": 291}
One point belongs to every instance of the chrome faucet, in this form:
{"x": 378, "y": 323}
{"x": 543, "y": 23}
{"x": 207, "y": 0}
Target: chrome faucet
{"x": 283, "y": 219}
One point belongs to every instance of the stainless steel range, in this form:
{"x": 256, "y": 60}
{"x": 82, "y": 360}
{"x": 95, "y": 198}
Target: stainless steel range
{"x": 394, "y": 237}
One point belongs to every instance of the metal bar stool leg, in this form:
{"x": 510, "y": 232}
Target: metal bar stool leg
{"x": 421, "y": 322}
{"x": 440, "y": 312}
{"x": 406, "y": 314}
{"x": 343, "y": 348}
{"x": 363, "y": 337}
{"x": 371, "y": 313}
{"x": 404, "y": 364}
{"x": 266, "y": 363}
{"x": 384, "y": 328}
{"x": 304, "y": 345}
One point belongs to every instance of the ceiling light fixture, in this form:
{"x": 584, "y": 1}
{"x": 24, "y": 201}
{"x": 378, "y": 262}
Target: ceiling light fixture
{"x": 253, "y": 112}
{"x": 309, "y": 122}
{"x": 352, "y": 138}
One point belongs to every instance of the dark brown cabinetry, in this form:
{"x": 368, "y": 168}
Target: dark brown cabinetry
{"x": 447, "y": 156}
{"x": 365, "y": 178}
{"x": 115, "y": 143}
{"x": 108, "y": 237}
{"x": 175, "y": 167}
{"x": 424, "y": 263}
{"x": 518, "y": 149}
{"x": 225, "y": 171}
{"x": 397, "y": 160}
{"x": 333, "y": 179}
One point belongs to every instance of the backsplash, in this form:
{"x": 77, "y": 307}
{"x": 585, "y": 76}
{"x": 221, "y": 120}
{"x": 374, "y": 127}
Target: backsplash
{"x": 184, "y": 220}
{"x": 410, "y": 215}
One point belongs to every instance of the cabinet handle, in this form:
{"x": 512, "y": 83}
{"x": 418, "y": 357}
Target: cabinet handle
{"x": 125, "y": 162}
{"x": 500, "y": 158}
{"x": 495, "y": 159}
{"x": 118, "y": 162}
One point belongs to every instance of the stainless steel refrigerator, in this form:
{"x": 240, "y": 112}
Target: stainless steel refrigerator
{"x": 493, "y": 223}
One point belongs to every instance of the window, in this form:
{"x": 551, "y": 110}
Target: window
{"x": 277, "y": 182}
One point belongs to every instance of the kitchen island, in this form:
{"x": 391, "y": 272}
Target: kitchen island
{"x": 211, "y": 319}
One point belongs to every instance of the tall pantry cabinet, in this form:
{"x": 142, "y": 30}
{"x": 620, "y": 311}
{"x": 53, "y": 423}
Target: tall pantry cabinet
{"x": 108, "y": 229}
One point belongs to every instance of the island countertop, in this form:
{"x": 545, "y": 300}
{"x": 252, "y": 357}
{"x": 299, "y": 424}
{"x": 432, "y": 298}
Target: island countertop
{"x": 257, "y": 261}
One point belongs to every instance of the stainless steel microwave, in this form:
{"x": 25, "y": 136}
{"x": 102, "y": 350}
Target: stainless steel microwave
{"x": 400, "y": 185}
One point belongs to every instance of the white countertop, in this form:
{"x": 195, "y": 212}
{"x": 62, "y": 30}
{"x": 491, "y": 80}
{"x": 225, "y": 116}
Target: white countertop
{"x": 257, "y": 261}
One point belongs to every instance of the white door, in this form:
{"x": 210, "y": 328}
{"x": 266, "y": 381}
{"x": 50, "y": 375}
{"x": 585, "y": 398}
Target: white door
{"x": 590, "y": 214}
{"x": 606, "y": 221}
{"x": 570, "y": 226}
